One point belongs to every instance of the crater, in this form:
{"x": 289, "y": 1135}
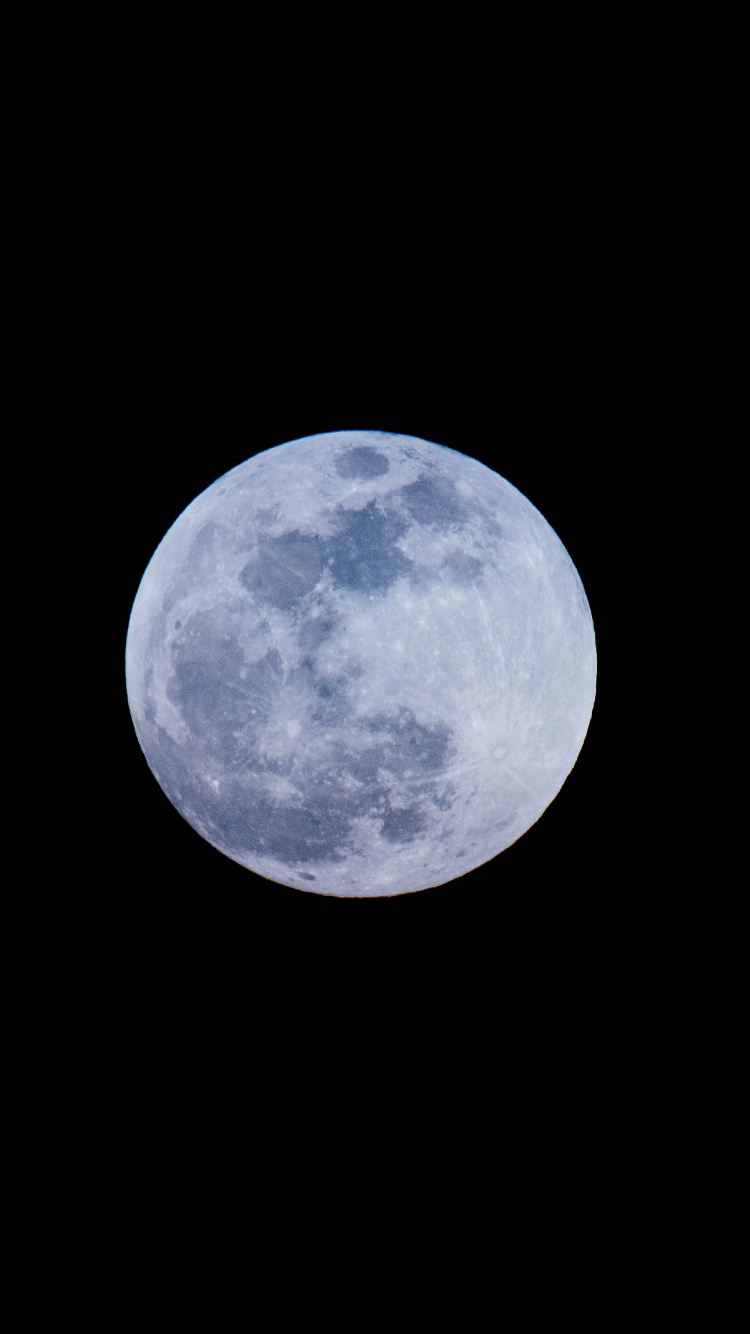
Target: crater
{"x": 362, "y": 463}
{"x": 462, "y": 569}
{"x": 285, "y": 570}
{"x": 433, "y": 501}
{"x": 363, "y": 556}
{"x": 223, "y": 699}
{"x": 402, "y": 826}
{"x": 314, "y": 630}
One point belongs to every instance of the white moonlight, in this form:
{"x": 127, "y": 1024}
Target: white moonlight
{"x": 361, "y": 664}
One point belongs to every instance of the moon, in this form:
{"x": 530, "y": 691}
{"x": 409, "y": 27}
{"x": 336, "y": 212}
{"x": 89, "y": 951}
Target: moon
{"x": 361, "y": 664}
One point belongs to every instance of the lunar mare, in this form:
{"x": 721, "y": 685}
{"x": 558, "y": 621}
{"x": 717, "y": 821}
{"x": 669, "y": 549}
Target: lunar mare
{"x": 361, "y": 664}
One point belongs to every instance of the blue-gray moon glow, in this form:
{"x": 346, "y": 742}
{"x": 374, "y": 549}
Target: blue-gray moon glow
{"x": 361, "y": 664}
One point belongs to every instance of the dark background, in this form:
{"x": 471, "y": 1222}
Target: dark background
{"x": 378, "y": 1086}
{"x": 375, "y": 999}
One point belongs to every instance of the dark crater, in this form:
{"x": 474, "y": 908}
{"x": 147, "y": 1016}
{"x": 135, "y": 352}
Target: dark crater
{"x": 362, "y": 462}
{"x": 433, "y": 501}
{"x": 285, "y": 569}
{"x": 223, "y": 699}
{"x": 462, "y": 569}
{"x": 410, "y": 746}
{"x": 217, "y": 778}
{"x": 363, "y": 556}
{"x": 331, "y": 703}
{"x": 314, "y": 832}
{"x": 314, "y": 630}
{"x": 401, "y": 826}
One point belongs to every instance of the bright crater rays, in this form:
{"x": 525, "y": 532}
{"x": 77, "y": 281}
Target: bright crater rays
{"x": 361, "y": 664}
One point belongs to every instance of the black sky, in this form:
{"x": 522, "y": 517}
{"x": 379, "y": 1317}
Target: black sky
{"x": 221, "y": 1042}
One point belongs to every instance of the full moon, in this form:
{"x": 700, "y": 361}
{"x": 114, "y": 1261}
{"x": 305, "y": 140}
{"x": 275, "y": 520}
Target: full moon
{"x": 361, "y": 664}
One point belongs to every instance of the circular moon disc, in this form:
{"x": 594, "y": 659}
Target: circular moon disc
{"x": 361, "y": 664}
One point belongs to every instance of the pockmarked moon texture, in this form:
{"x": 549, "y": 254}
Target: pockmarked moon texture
{"x": 361, "y": 664}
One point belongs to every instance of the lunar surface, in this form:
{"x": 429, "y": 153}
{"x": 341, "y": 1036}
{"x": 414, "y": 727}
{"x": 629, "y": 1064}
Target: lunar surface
{"x": 361, "y": 664}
